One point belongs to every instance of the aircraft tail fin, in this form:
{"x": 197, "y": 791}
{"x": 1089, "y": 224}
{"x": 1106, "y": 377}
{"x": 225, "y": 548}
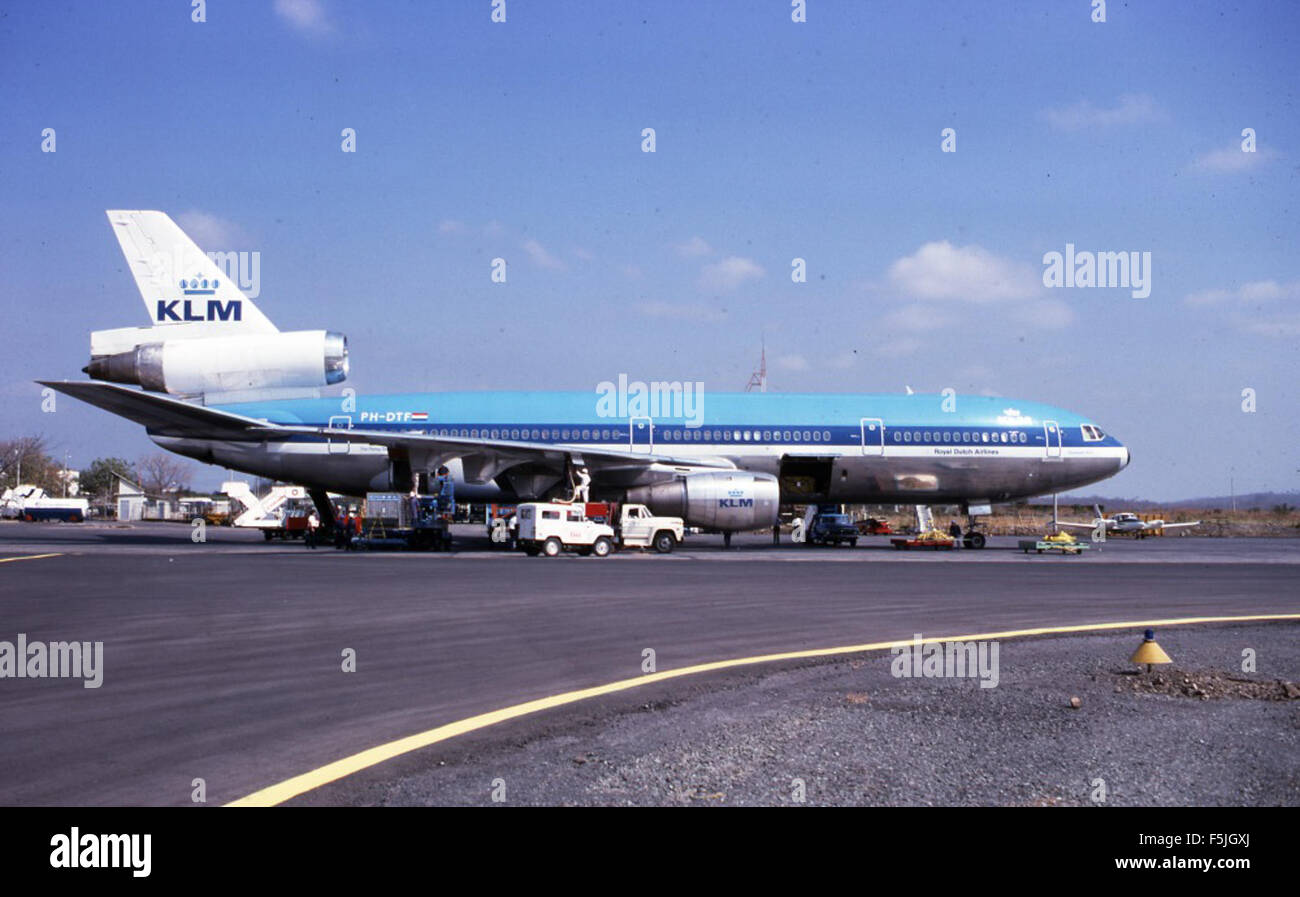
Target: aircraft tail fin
{"x": 1097, "y": 510}
{"x": 180, "y": 285}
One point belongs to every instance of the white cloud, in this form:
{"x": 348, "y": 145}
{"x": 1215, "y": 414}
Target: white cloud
{"x": 1253, "y": 306}
{"x": 1253, "y": 291}
{"x": 899, "y": 348}
{"x": 694, "y": 248}
{"x": 1042, "y": 314}
{"x": 792, "y": 363}
{"x": 450, "y": 226}
{"x": 1132, "y": 109}
{"x": 1283, "y": 325}
{"x": 210, "y": 232}
{"x": 541, "y": 257}
{"x": 729, "y": 273}
{"x": 583, "y": 253}
{"x": 918, "y": 318}
{"x": 969, "y": 273}
{"x": 1231, "y": 160}
{"x": 681, "y": 312}
{"x": 305, "y": 16}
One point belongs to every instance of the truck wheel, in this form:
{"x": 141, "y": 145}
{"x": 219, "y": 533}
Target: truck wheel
{"x": 552, "y": 547}
{"x": 975, "y": 540}
{"x": 664, "y": 542}
{"x": 853, "y": 543}
{"x": 602, "y": 548}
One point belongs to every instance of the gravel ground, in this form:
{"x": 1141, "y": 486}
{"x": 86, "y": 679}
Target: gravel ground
{"x": 854, "y": 735}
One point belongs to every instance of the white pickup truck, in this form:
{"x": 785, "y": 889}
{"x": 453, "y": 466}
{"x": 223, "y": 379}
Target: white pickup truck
{"x": 550, "y": 528}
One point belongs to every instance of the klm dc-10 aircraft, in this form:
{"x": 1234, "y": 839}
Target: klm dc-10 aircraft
{"x": 221, "y": 384}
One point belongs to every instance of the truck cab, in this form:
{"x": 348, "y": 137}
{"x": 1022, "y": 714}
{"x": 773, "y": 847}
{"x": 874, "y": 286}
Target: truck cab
{"x": 832, "y": 529}
{"x": 639, "y": 528}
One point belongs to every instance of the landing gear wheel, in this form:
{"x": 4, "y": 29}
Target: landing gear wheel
{"x": 552, "y": 547}
{"x": 602, "y": 548}
{"x": 664, "y": 542}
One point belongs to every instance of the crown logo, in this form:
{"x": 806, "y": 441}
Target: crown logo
{"x": 196, "y": 286}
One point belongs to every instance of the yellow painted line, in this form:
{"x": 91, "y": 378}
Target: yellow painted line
{"x": 300, "y": 784}
{"x": 32, "y": 557}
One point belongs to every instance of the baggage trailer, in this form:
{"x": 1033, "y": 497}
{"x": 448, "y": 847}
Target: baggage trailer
{"x": 400, "y": 521}
{"x": 934, "y": 543}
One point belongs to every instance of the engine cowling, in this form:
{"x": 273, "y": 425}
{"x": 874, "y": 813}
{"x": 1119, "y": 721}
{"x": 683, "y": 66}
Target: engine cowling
{"x": 300, "y": 359}
{"x": 729, "y": 501}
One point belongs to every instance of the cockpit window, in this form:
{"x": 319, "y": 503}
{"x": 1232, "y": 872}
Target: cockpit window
{"x": 1092, "y": 433}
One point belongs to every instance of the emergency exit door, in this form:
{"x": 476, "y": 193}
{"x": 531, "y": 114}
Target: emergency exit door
{"x": 340, "y": 422}
{"x": 1052, "y": 430}
{"x": 873, "y": 436}
{"x": 641, "y": 435}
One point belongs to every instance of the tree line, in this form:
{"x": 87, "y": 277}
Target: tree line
{"x": 27, "y": 460}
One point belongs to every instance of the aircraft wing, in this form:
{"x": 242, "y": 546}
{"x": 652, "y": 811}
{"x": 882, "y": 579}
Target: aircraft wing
{"x": 1075, "y": 523}
{"x": 167, "y": 416}
{"x": 1176, "y": 525}
{"x": 499, "y": 453}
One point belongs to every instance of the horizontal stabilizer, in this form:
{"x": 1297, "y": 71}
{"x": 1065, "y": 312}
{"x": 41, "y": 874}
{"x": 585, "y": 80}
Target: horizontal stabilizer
{"x": 161, "y": 415}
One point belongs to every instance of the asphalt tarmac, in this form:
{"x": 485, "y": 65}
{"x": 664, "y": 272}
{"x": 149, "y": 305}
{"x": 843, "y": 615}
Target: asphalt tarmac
{"x": 223, "y": 660}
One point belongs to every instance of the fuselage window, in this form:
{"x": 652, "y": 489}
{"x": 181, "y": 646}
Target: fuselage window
{"x": 898, "y": 437}
{"x": 767, "y": 435}
{"x": 826, "y": 435}
{"x": 785, "y": 435}
{"x": 907, "y": 437}
{"x": 926, "y": 435}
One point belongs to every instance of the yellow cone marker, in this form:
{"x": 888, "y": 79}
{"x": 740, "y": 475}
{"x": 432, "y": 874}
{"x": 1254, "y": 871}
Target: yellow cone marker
{"x": 1149, "y": 652}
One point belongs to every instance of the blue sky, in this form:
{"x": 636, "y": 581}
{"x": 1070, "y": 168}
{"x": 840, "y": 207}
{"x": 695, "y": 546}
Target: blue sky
{"x": 775, "y": 140}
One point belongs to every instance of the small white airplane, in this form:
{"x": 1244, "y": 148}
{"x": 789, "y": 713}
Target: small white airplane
{"x": 1125, "y": 523}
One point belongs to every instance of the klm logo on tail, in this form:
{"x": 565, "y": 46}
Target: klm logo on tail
{"x": 198, "y": 287}
{"x": 190, "y": 310}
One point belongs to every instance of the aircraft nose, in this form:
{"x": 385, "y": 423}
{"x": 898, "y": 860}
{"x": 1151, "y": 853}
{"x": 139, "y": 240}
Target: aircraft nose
{"x": 1125, "y": 458}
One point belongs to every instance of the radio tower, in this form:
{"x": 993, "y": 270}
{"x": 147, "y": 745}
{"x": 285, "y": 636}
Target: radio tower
{"x": 759, "y": 377}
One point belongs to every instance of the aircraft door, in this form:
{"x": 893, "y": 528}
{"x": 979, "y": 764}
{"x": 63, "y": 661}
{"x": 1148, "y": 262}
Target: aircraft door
{"x": 641, "y": 435}
{"x": 1052, "y": 433}
{"x": 340, "y": 422}
{"x": 873, "y": 436}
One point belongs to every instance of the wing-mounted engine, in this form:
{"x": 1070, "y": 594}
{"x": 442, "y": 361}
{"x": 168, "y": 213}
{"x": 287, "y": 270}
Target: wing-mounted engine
{"x": 230, "y": 365}
{"x": 727, "y": 501}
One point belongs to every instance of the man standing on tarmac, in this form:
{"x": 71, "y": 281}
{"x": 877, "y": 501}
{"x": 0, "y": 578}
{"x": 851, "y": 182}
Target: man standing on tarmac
{"x": 954, "y": 530}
